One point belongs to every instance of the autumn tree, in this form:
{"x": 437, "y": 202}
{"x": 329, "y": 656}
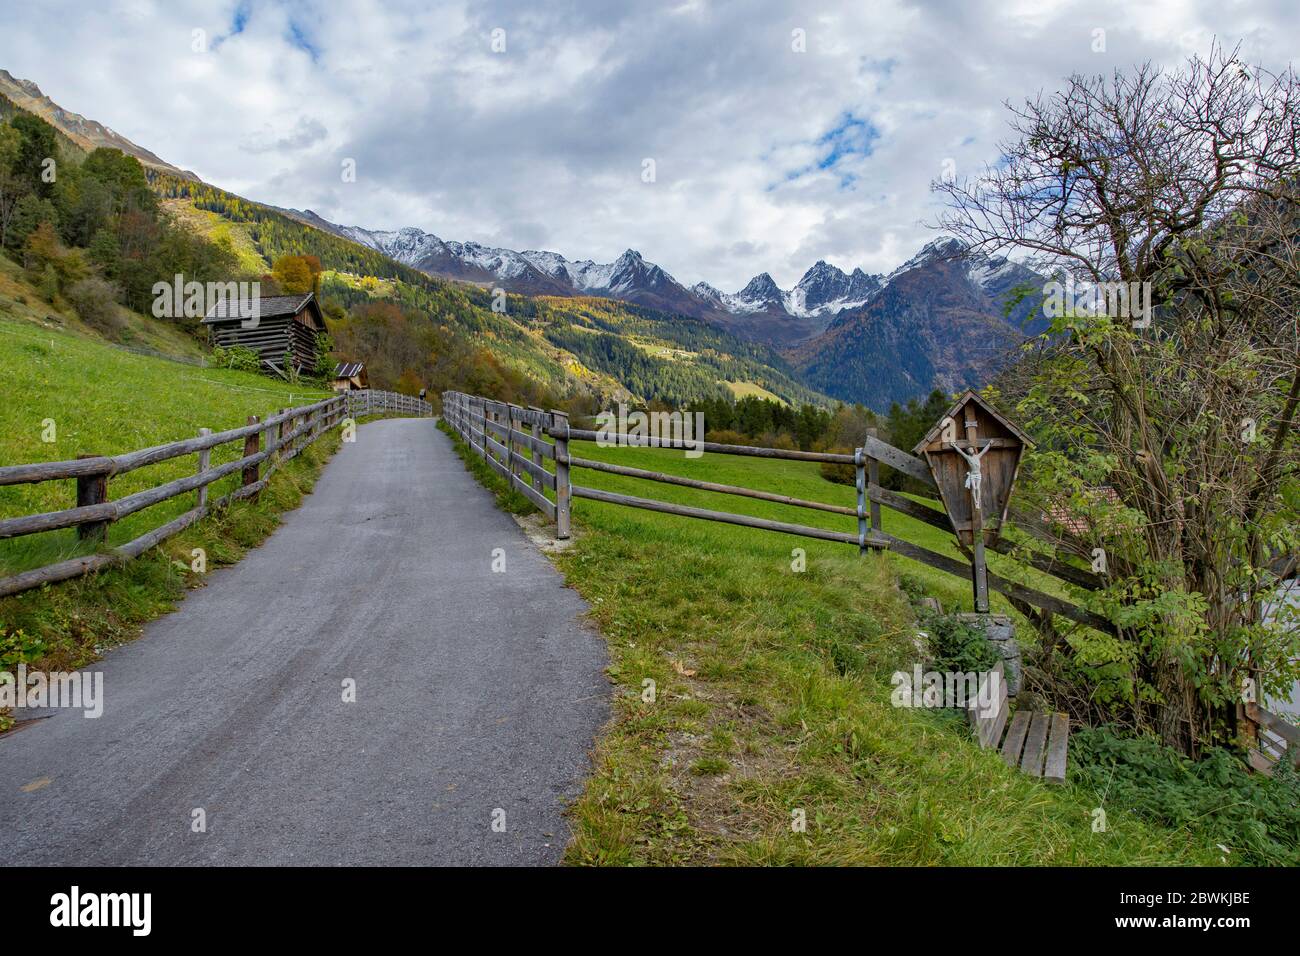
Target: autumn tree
{"x": 1166, "y": 438}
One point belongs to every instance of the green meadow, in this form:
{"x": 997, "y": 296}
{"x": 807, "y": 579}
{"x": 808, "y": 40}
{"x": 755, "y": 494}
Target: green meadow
{"x": 93, "y": 399}
{"x": 771, "y": 738}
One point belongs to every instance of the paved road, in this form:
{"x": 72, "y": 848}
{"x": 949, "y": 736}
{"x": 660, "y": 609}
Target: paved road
{"x": 475, "y": 692}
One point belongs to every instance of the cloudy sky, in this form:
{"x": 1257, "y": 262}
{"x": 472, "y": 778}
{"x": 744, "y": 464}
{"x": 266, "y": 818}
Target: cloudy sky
{"x": 779, "y": 133}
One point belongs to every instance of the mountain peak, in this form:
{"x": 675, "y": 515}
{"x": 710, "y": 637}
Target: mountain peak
{"x": 761, "y": 287}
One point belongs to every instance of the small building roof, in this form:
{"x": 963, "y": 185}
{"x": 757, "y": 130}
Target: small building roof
{"x": 349, "y": 369}
{"x": 968, "y": 396}
{"x": 269, "y": 306}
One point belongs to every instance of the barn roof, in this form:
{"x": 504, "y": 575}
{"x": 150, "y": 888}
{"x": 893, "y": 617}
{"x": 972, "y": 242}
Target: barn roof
{"x": 269, "y": 306}
{"x": 348, "y": 369}
{"x": 971, "y": 395}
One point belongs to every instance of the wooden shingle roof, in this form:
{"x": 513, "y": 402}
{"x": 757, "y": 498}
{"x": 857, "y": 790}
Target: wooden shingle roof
{"x": 971, "y": 396}
{"x": 269, "y": 306}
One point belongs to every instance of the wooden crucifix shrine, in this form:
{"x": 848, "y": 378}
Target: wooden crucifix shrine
{"x": 974, "y": 455}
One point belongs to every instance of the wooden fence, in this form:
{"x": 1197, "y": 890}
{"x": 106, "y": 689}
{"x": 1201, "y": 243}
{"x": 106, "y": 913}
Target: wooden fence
{"x": 1276, "y": 739}
{"x": 375, "y": 401}
{"x": 287, "y": 432}
{"x": 519, "y": 457}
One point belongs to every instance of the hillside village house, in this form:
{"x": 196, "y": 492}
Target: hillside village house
{"x": 350, "y": 377}
{"x": 284, "y": 323}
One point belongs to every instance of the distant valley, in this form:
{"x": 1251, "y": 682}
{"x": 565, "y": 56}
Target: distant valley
{"x": 940, "y": 320}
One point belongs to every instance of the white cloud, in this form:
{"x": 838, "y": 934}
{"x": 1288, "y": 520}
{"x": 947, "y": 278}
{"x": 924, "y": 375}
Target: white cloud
{"x": 542, "y": 145}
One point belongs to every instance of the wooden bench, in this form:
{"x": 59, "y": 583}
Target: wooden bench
{"x": 1037, "y": 742}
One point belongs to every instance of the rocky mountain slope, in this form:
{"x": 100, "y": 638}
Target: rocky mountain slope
{"x": 86, "y": 133}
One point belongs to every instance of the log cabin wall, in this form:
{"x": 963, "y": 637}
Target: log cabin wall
{"x": 270, "y": 339}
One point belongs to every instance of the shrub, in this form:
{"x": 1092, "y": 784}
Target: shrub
{"x": 94, "y": 301}
{"x": 957, "y": 645}
{"x": 1256, "y": 817}
{"x": 239, "y": 357}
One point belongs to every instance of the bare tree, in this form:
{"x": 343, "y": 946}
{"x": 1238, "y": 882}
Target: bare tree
{"x": 1180, "y": 186}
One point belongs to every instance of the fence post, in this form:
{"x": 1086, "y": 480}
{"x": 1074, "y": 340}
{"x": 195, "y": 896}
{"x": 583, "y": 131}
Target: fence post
{"x": 536, "y": 430}
{"x": 92, "y": 490}
{"x": 252, "y": 444}
{"x": 979, "y": 569}
{"x": 562, "y": 486}
{"x": 510, "y": 445}
{"x": 873, "y": 478}
{"x": 279, "y": 437}
{"x": 483, "y": 449}
{"x": 205, "y": 462}
{"x": 860, "y": 482}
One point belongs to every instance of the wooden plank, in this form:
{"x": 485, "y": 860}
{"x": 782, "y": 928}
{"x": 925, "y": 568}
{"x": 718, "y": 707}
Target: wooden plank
{"x": 873, "y": 478}
{"x": 54, "y": 470}
{"x": 999, "y": 720}
{"x": 1288, "y": 731}
{"x": 1049, "y": 565}
{"x": 722, "y": 516}
{"x": 564, "y": 489}
{"x": 541, "y": 478}
{"x": 905, "y": 505}
{"x": 536, "y": 445}
{"x": 1257, "y": 760}
{"x": 53, "y": 573}
{"x": 707, "y": 485}
{"x": 544, "y": 504}
{"x": 496, "y": 447}
{"x": 1057, "y": 748}
{"x": 1001, "y": 585}
{"x": 1015, "y": 741}
{"x": 898, "y": 460}
{"x": 987, "y": 727}
{"x": 534, "y": 439}
{"x": 1032, "y": 761}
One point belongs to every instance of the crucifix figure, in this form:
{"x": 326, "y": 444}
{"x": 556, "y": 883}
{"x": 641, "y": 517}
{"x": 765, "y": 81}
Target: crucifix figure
{"x": 974, "y": 476}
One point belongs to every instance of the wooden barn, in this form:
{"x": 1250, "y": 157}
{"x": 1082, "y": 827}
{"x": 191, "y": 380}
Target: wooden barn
{"x": 284, "y": 323}
{"x": 350, "y": 376}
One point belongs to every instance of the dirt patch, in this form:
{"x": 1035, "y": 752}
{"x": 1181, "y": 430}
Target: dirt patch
{"x": 541, "y": 532}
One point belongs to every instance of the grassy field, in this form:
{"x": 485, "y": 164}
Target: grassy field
{"x": 102, "y": 400}
{"x": 748, "y": 389}
{"x": 772, "y": 698}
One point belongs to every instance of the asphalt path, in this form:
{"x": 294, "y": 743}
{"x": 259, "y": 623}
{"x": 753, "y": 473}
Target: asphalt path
{"x": 477, "y": 694}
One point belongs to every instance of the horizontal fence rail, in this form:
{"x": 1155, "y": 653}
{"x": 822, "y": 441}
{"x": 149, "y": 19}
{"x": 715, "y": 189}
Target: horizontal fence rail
{"x": 272, "y": 441}
{"x": 489, "y": 428}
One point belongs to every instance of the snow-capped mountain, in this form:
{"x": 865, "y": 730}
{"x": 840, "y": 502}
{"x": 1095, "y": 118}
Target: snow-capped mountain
{"x": 823, "y": 320}
{"x": 938, "y": 320}
{"x": 761, "y": 309}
